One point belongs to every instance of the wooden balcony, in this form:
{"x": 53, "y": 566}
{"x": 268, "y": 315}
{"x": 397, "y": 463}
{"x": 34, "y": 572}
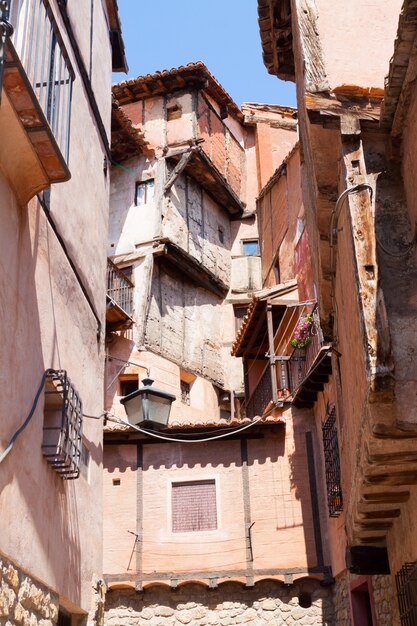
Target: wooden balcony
{"x": 275, "y": 371}
{"x": 35, "y": 107}
{"x": 119, "y": 308}
{"x": 309, "y": 368}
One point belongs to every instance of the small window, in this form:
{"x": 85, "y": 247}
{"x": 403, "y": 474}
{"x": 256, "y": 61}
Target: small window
{"x": 185, "y": 392}
{"x": 174, "y": 112}
{"x": 250, "y": 247}
{"x": 194, "y": 506}
{"x": 128, "y": 384}
{"x": 144, "y": 192}
{"x": 240, "y": 313}
{"x": 221, "y": 234}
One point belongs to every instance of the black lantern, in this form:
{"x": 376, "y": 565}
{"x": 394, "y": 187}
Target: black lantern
{"x": 148, "y": 406}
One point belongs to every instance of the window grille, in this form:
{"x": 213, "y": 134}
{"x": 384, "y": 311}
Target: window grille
{"x": 332, "y": 464}
{"x": 62, "y": 430}
{"x": 406, "y": 581}
{"x": 194, "y": 506}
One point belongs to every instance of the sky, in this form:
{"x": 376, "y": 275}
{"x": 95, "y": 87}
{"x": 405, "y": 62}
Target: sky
{"x": 224, "y": 34}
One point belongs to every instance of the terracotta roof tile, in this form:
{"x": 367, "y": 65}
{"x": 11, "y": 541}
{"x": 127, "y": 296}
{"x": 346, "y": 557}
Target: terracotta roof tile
{"x": 168, "y": 80}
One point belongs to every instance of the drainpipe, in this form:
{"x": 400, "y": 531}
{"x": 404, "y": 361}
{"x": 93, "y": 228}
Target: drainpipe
{"x": 6, "y": 30}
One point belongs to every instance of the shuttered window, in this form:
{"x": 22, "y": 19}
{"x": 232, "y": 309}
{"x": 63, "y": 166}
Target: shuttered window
{"x": 194, "y": 506}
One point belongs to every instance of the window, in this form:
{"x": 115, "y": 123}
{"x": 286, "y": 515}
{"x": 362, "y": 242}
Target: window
{"x": 174, "y": 112}
{"x": 406, "y": 581}
{"x": 194, "y": 506}
{"x": 185, "y": 392}
{"x": 250, "y": 247}
{"x": 186, "y": 382}
{"x": 62, "y": 427}
{"x": 144, "y": 192}
{"x": 128, "y": 383}
{"x": 221, "y": 234}
{"x": 240, "y": 313}
{"x": 332, "y": 464}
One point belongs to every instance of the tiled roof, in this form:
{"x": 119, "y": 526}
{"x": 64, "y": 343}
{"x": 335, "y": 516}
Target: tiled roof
{"x": 258, "y": 299}
{"x": 126, "y": 140}
{"x": 167, "y": 81}
{"x": 112, "y": 427}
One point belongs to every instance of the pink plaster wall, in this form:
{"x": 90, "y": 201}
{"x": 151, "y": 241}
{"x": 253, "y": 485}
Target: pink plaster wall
{"x": 280, "y": 505}
{"x": 50, "y": 527}
{"x": 357, "y": 40}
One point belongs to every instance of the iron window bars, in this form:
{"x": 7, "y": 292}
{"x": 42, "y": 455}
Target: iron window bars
{"x": 38, "y": 43}
{"x": 332, "y": 464}
{"x": 63, "y": 422}
{"x": 406, "y": 581}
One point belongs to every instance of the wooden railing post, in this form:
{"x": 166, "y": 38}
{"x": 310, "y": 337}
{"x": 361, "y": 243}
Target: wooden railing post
{"x": 271, "y": 351}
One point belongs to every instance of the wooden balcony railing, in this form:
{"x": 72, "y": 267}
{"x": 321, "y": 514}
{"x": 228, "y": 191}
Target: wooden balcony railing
{"x": 119, "y": 299}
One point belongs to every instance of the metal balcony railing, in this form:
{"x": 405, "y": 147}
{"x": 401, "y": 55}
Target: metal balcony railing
{"x": 38, "y": 43}
{"x": 119, "y": 288}
{"x": 301, "y": 360}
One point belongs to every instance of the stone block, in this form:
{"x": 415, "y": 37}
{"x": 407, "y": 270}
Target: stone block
{"x": 11, "y": 576}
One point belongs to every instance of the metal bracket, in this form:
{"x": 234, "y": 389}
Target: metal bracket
{"x": 273, "y": 357}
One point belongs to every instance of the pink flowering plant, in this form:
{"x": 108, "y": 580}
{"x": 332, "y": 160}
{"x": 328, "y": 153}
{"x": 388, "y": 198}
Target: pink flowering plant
{"x": 303, "y": 332}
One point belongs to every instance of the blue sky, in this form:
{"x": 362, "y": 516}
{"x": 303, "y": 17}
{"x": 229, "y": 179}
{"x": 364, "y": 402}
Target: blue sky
{"x": 224, "y": 34}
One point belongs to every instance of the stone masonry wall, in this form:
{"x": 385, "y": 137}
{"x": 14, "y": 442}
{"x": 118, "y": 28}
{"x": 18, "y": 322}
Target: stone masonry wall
{"x": 269, "y": 603}
{"x": 384, "y": 600}
{"x": 24, "y": 601}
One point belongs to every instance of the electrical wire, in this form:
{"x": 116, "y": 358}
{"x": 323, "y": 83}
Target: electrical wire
{"x": 118, "y": 420}
{"x": 27, "y": 420}
{"x": 397, "y": 255}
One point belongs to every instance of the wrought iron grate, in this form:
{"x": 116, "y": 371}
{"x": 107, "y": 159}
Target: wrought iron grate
{"x": 406, "y": 581}
{"x": 63, "y": 421}
{"x": 332, "y": 464}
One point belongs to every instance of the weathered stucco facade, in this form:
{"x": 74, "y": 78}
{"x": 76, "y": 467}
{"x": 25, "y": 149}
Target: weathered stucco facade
{"x": 52, "y": 269}
{"x": 356, "y": 106}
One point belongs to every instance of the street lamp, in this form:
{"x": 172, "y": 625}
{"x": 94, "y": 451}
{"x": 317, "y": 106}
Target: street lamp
{"x": 148, "y": 406}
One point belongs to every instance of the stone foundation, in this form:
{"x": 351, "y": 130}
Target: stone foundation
{"x": 269, "y": 603}
{"x": 24, "y": 601}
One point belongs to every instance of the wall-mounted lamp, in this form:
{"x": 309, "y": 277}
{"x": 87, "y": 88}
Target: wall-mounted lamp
{"x": 148, "y": 406}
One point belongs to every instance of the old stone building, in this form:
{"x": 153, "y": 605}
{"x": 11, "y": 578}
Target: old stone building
{"x": 55, "y": 113}
{"x": 354, "y": 69}
{"x": 215, "y": 520}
